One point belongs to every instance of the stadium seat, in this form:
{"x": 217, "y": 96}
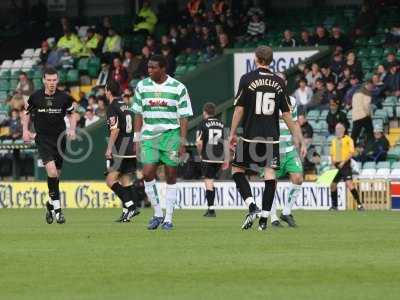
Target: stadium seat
{"x": 28, "y": 53}
{"x": 7, "y": 64}
{"x": 369, "y": 165}
{"x": 394, "y": 153}
{"x": 180, "y": 70}
{"x": 181, "y": 59}
{"x": 13, "y": 84}
{"x": 17, "y": 64}
{"x": 313, "y": 115}
{"x": 395, "y": 174}
{"x": 73, "y": 76}
{"x": 5, "y": 74}
{"x": 36, "y": 54}
{"x": 383, "y": 165}
{"x": 4, "y": 86}
{"x": 37, "y": 83}
{"x": 363, "y": 53}
{"x": 191, "y": 68}
{"x": 376, "y": 53}
{"x": 318, "y": 140}
{"x": 28, "y": 64}
{"x": 395, "y": 165}
{"x": 382, "y": 173}
{"x": 192, "y": 59}
{"x": 83, "y": 65}
{"x": 63, "y": 76}
{"x": 367, "y": 173}
{"x": 3, "y": 96}
{"x": 37, "y": 74}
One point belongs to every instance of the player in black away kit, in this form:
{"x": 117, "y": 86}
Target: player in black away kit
{"x": 120, "y": 151}
{"x": 48, "y": 107}
{"x": 260, "y": 97}
{"x": 211, "y": 147}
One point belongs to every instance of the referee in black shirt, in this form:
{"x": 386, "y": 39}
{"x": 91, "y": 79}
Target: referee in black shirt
{"x": 48, "y": 107}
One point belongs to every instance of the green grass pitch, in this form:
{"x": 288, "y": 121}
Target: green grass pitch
{"x": 344, "y": 255}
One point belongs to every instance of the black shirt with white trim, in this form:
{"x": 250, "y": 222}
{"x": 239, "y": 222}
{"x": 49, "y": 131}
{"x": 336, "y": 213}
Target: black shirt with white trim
{"x": 48, "y": 111}
{"x": 262, "y": 94}
{"x": 211, "y": 132}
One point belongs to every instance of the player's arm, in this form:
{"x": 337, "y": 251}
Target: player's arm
{"x": 184, "y": 111}
{"x": 72, "y": 120}
{"x": 199, "y": 141}
{"x": 27, "y": 135}
{"x": 113, "y": 124}
{"x": 238, "y": 113}
{"x": 349, "y": 155}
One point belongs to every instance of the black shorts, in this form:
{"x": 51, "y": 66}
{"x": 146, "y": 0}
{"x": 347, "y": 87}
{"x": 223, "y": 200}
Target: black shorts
{"x": 252, "y": 155}
{"x": 344, "y": 173}
{"x": 50, "y": 148}
{"x": 210, "y": 169}
{"x": 122, "y": 165}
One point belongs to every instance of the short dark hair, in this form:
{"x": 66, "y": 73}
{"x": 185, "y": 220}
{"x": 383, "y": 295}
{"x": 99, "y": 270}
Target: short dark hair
{"x": 23, "y": 74}
{"x": 209, "y": 108}
{"x": 264, "y": 54}
{"x": 162, "y": 62}
{"x": 49, "y": 71}
{"x": 114, "y": 88}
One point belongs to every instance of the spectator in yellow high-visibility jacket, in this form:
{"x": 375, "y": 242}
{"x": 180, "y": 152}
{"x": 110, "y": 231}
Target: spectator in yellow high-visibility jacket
{"x": 71, "y": 42}
{"x": 342, "y": 151}
{"x": 112, "y": 46}
{"x": 146, "y": 19}
{"x": 91, "y": 44}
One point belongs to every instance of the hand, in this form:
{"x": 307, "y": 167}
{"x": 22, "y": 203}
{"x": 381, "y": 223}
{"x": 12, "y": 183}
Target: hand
{"x": 108, "y": 153}
{"x": 71, "y": 134}
{"x": 303, "y": 150}
{"x": 341, "y": 164}
{"x": 225, "y": 165}
{"x": 182, "y": 152}
{"x": 28, "y": 136}
{"x": 232, "y": 141}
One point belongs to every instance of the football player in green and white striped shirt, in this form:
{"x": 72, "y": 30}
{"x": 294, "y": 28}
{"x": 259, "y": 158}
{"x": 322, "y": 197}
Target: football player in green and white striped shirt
{"x": 162, "y": 106}
{"x": 290, "y": 164}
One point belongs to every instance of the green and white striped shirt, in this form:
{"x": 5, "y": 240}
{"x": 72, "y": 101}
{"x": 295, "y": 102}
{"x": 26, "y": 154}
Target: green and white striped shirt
{"x": 161, "y": 105}
{"x": 286, "y": 140}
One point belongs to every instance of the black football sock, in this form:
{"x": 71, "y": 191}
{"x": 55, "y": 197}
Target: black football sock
{"x": 210, "y": 196}
{"x": 54, "y": 193}
{"x": 268, "y": 195}
{"x": 243, "y": 186}
{"x": 356, "y": 196}
{"x": 334, "y": 197}
{"x": 119, "y": 190}
{"x": 131, "y": 197}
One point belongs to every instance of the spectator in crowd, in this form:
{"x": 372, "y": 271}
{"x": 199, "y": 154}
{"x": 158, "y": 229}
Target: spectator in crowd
{"x": 130, "y": 63}
{"x": 306, "y": 40}
{"x": 392, "y": 81}
{"x": 15, "y": 125}
{"x": 377, "y": 92}
{"x": 103, "y": 75}
{"x": 338, "y": 39}
{"x": 112, "y": 45}
{"x": 393, "y": 37}
{"x": 44, "y": 53}
{"x": 327, "y": 75}
{"x": 381, "y": 72}
{"x": 17, "y": 102}
{"x": 331, "y": 91}
{"x": 126, "y": 97}
{"x": 91, "y": 44}
{"x": 90, "y": 117}
{"x": 101, "y": 106}
{"x": 376, "y": 149}
{"x": 390, "y": 60}
{"x": 337, "y": 64}
{"x": 66, "y": 60}
{"x": 92, "y": 102}
{"x": 146, "y": 19}
{"x": 303, "y": 95}
{"x": 24, "y": 86}
{"x": 119, "y": 73}
{"x": 223, "y": 43}
{"x": 355, "y": 85}
{"x": 151, "y": 44}
{"x": 344, "y": 83}
{"x": 83, "y": 101}
{"x": 142, "y": 68}
{"x": 195, "y": 7}
{"x": 185, "y": 40}
{"x": 319, "y": 97}
{"x": 166, "y": 41}
{"x": 361, "y": 113}
{"x": 367, "y": 20}
{"x": 196, "y": 42}
{"x": 255, "y": 9}
{"x": 313, "y": 75}
{"x": 354, "y": 65}
{"x": 71, "y": 42}
{"x": 335, "y": 116}
{"x": 255, "y": 28}
{"x": 219, "y": 7}
{"x": 305, "y": 127}
{"x": 166, "y": 52}
{"x": 288, "y": 39}
{"x": 174, "y": 38}
{"x": 321, "y": 38}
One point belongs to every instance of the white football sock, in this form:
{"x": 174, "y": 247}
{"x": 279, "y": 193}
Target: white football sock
{"x": 170, "y": 198}
{"x": 56, "y": 204}
{"x": 294, "y": 193}
{"x": 151, "y": 192}
{"x": 264, "y": 214}
{"x": 273, "y": 215}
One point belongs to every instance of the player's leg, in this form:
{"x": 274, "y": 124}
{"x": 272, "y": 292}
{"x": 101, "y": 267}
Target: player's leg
{"x": 334, "y": 195}
{"x": 268, "y": 196}
{"x": 53, "y": 184}
{"x": 112, "y": 181}
{"x": 210, "y": 196}
{"x": 281, "y": 172}
{"x": 130, "y": 205}
{"x": 295, "y": 169}
{"x": 150, "y": 158}
{"x": 354, "y": 192}
{"x": 169, "y": 156}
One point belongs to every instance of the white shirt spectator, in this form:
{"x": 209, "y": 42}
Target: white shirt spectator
{"x": 303, "y": 95}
